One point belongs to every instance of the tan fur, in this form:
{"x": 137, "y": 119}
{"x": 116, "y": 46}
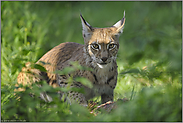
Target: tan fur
{"x": 99, "y": 53}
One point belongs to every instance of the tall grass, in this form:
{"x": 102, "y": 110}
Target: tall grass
{"x": 149, "y": 59}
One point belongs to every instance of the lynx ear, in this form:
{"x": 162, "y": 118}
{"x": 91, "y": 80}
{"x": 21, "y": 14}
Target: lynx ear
{"x": 87, "y": 29}
{"x": 120, "y": 25}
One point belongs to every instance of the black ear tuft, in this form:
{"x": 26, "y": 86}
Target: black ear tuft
{"x": 85, "y": 24}
{"x": 120, "y": 25}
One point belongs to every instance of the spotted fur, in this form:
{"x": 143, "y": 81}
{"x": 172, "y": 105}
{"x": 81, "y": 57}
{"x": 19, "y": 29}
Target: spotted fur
{"x": 99, "y": 52}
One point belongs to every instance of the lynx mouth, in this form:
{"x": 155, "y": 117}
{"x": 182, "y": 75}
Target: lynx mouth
{"x": 102, "y": 65}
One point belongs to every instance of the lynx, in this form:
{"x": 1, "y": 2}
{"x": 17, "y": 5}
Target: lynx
{"x": 99, "y": 52}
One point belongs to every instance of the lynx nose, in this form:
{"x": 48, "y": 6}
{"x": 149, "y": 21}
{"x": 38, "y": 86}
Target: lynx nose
{"x": 104, "y": 59}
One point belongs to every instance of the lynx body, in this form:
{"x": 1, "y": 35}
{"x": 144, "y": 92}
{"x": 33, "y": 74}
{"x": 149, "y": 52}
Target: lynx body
{"x": 99, "y": 52}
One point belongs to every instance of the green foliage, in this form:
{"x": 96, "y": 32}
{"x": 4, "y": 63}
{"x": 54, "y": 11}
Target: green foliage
{"x": 149, "y": 58}
{"x": 151, "y": 104}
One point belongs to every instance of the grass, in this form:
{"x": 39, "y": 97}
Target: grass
{"x": 149, "y": 59}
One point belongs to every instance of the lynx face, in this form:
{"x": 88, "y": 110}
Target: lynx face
{"x": 102, "y": 44}
{"x": 103, "y": 48}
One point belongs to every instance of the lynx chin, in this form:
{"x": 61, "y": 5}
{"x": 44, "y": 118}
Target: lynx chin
{"x": 99, "y": 53}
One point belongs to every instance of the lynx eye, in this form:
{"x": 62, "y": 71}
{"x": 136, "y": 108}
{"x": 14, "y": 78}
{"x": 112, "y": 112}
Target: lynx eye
{"x": 111, "y": 46}
{"x": 95, "y": 46}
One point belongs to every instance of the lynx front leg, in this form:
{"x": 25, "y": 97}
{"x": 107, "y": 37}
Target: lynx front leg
{"x": 106, "y": 97}
{"x": 77, "y": 97}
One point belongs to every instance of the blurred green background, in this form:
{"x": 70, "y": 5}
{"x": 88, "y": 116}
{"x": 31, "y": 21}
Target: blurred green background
{"x": 150, "y": 54}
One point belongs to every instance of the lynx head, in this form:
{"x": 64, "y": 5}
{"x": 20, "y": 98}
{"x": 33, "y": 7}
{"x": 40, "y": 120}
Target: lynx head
{"x": 102, "y": 44}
